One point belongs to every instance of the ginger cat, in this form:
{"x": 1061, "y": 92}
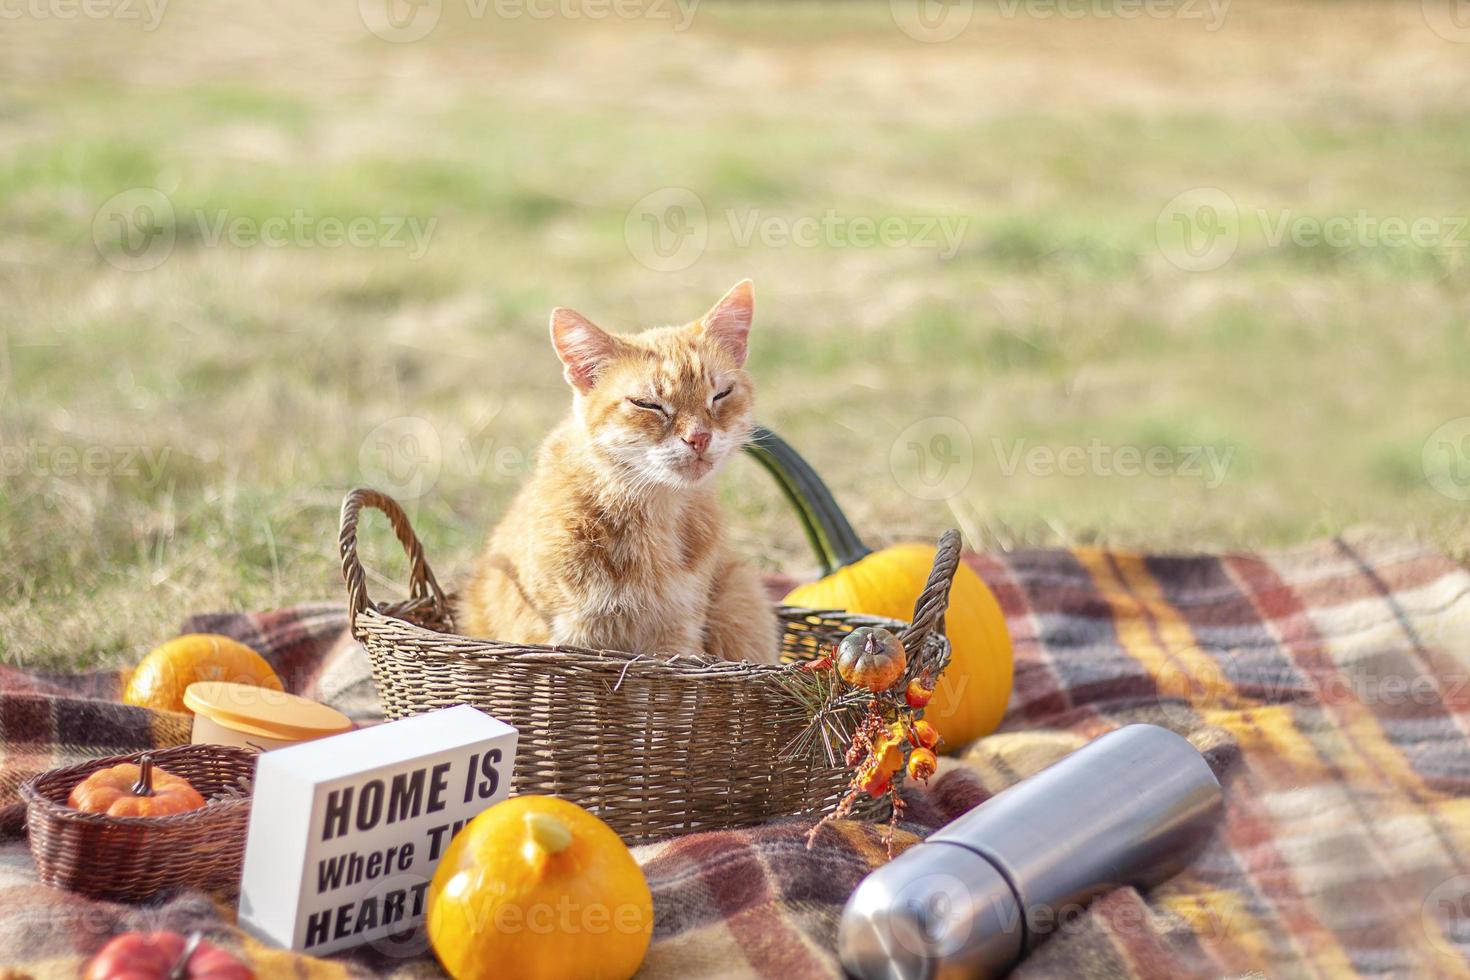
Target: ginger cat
{"x": 616, "y": 541}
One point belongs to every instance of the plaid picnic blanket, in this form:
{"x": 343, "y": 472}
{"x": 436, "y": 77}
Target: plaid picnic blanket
{"x": 1327, "y": 685}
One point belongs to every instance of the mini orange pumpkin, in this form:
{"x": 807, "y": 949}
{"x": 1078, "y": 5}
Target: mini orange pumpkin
{"x": 129, "y": 790}
{"x": 871, "y": 657}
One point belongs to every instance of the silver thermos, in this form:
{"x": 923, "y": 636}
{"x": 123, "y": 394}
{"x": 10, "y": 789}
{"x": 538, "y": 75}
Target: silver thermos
{"x": 1130, "y": 808}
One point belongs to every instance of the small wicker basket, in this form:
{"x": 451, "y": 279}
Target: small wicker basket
{"x": 130, "y": 859}
{"x": 656, "y": 746}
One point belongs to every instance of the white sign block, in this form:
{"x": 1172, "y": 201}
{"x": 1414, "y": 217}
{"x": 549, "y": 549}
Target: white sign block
{"x": 345, "y": 831}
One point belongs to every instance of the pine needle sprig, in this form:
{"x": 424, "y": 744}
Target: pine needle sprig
{"x": 833, "y": 710}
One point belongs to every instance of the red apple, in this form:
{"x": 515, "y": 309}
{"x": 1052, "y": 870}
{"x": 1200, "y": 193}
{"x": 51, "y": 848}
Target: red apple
{"x": 160, "y": 956}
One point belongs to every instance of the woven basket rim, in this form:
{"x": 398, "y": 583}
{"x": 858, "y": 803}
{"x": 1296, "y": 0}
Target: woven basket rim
{"x": 31, "y": 793}
{"x": 458, "y": 646}
{"x": 432, "y": 618}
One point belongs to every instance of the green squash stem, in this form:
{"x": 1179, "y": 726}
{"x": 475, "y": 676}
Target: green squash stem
{"x": 831, "y": 535}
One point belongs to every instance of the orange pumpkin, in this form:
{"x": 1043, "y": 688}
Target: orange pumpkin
{"x": 129, "y": 790}
{"x": 972, "y": 693}
{"x": 165, "y": 674}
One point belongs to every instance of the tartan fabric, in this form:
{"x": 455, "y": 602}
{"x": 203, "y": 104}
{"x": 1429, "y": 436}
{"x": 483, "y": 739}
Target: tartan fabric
{"x": 1327, "y": 684}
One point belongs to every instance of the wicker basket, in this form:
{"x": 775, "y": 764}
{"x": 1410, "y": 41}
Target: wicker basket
{"x": 656, "y": 746}
{"x": 130, "y": 859}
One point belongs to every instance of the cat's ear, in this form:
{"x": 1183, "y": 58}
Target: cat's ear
{"x": 583, "y": 346}
{"x": 728, "y": 322}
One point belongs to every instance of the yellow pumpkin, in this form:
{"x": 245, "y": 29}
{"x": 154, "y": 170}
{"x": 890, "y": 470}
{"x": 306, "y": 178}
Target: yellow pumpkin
{"x": 972, "y": 693}
{"x": 164, "y": 675}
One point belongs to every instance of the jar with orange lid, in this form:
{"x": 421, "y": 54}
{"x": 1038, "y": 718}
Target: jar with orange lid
{"x": 257, "y": 717}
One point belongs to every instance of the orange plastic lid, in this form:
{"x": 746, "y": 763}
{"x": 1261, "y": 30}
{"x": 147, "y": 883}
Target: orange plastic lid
{"x": 261, "y": 711}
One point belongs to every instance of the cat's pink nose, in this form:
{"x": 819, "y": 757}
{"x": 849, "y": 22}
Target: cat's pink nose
{"x": 697, "y": 441}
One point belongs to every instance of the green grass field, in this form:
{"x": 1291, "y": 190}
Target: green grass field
{"x": 1060, "y": 279}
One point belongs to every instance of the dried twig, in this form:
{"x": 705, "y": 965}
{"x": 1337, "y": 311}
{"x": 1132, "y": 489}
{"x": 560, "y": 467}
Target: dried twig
{"x": 878, "y": 731}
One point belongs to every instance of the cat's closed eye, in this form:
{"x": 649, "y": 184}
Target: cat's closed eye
{"x": 648, "y": 406}
{"x": 724, "y": 393}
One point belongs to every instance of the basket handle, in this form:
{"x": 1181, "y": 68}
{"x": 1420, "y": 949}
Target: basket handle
{"x": 421, "y": 581}
{"x": 934, "y": 600}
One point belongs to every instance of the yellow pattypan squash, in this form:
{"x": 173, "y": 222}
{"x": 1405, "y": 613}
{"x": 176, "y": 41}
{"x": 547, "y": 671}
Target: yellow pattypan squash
{"x": 537, "y": 888}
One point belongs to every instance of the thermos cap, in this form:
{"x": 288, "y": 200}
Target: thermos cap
{"x": 949, "y": 915}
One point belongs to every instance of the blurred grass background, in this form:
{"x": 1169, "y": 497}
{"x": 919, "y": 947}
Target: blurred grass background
{"x": 178, "y": 438}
